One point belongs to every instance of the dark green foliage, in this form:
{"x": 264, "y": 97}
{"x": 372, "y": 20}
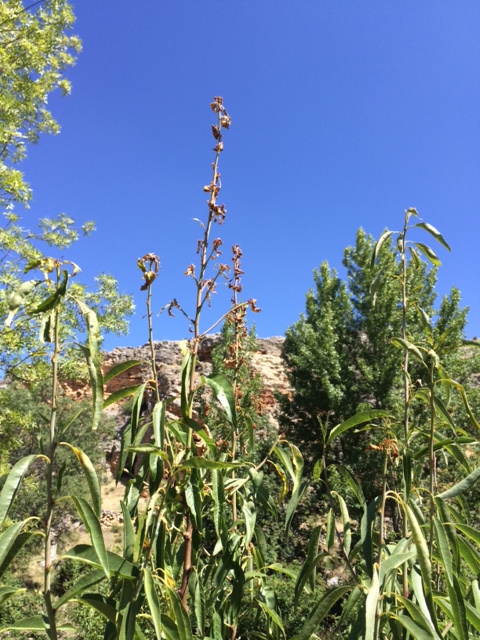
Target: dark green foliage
{"x": 340, "y": 356}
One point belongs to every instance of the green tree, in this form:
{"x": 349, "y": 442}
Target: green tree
{"x": 340, "y": 356}
{"x": 35, "y": 50}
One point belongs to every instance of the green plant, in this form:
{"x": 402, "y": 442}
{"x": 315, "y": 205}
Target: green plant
{"x": 421, "y": 582}
{"x": 194, "y": 559}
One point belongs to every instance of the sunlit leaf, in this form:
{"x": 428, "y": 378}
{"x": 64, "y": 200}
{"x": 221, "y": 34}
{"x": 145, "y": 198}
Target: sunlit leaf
{"x": 119, "y": 368}
{"x": 12, "y": 483}
{"x": 90, "y": 475}
{"x": 378, "y": 245}
{"x": 359, "y": 418}
{"x": 433, "y": 232}
{"x": 428, "y": 253}
{"x": 92, "y": 524}
{"x": 223, "y": 390}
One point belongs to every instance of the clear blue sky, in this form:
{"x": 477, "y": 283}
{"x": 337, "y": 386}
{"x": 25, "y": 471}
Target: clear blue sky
{"x": 344, "y": 114}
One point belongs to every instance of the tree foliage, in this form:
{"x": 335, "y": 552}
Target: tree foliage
{"x": 340, "y": 356}
{"x": 35, "y": 50}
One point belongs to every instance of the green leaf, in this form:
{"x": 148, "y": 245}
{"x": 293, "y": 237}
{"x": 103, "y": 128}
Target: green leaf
{"x": 352, "y": 483}
{"x": 92, "y": 356}
{"x": 104, "y": 605}
{"x": 422, "y": 549}
{"x": 462, "y": 486}
{"x": 10, "y": 488}
{"x": 428, "y": 253}
{"x": 366, "y": 533}
{"x": 347, "y": 531}
{"x": 307, "y": 574}
{"x": 466, "y": 404}
{"x": 443, "y": 548}
{"x": 457, "y": 603}
{"x": 158, "y": 423}
{"x": 469, "y": 554}
{"x": 391, "y": 564}
{"x": 90, "y": 475}
{"x": 7, "y": 592}
{"x": 92, "y": 524}
{"x": 371, "y": 604}
{"x": 223, "y": 390}
{"x": 417, "y": 632}
{"x": 86, "y": 553}
{"x": 473, "y": 615}
{"x": 321, "y": 609}
{"x": 116, "y": 396}
{"x": 52, "y": 301}
{"x": 443, "y": 411}
{"x": 293, "y": 503}
{"x": 416, "y": 611}
{"x": 409, "y": 346}
{"x": 119, "y": 368}
{"x": 33, "y": 623}
{"x": 434, "y": 232}
{"x": 12, "y": 542}
{"x": 185, "y": 387}
{"x": 273, "y": 615}
{"x": 358, "y": 418}
{"x": 80, "y": 586}
{"x": 218, "y": 495}
{"x": 414, "y": 256}
{"x": 470, "y": 532}
{"x": 184, "y": 629}
{"x": 331, "y": 529}
{"x": 153, "y": 602}
{"x": 250, "y": 514}
{"x": 378, "y": 245}
{"x": 308, "y": 570}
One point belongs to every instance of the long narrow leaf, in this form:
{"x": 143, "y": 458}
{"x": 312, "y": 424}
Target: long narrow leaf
{"x": 116, "y": 396}
{"x": 10, "y": 488}
{"x": 119, "y": 368}
{"x": 80, "y": 586}
{"x": 422, "y": 548}
{"x": 90, "y": 475}
{"x": 428, "y": 253}
{"x": 434, "y": 232}
{"x": 322, "y": 609}
{"x": 92, "y": 524}
{"x": 92, "y": 355}
{"x": 359, "y": 418}
{"x": 371, "y": 604}
{"x": 223, "y": 390}
{"x": 462, "y": 486}
{"x": 11, "y": 543}
{"x": 378, "y": 245}
{"x": 153, "y": 603}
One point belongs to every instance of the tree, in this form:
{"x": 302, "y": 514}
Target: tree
{"x": 340, "y": 356}
{"x": 35, "y": 49}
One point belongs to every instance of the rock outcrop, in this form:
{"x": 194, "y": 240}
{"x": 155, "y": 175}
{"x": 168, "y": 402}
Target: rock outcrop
{"x": 168, "y": 357}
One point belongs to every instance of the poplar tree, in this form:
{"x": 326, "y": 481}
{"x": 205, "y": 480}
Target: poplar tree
{"x": 340, "y": 356}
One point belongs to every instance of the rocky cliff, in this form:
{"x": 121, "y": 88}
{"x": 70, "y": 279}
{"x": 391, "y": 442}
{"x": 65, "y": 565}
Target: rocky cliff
{"x": 168, "y": 355}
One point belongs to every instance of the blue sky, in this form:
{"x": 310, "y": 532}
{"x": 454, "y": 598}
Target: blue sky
{"x": 344, "y": 114}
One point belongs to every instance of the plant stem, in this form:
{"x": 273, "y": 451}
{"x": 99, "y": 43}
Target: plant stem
{"x": 52, "y": 631}
{"x": 406, "y": 383}
{"x": 151, "y": 343}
